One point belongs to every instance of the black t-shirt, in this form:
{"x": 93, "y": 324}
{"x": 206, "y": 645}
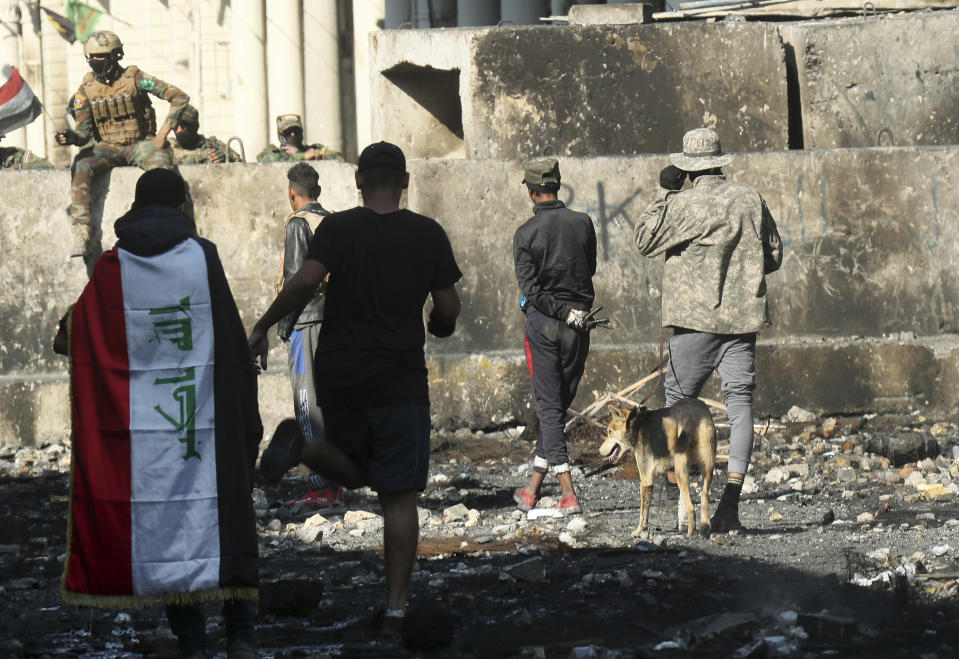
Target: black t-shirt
{"x": 382, "y": 268}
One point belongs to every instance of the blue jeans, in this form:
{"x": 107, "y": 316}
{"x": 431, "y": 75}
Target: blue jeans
{"x": 188, "y": 623}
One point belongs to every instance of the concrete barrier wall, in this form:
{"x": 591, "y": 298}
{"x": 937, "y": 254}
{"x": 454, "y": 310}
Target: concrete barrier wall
{"x": 510, "y": 92}
{"x": 871, "y": 238}
{"x": 868, "y": 81}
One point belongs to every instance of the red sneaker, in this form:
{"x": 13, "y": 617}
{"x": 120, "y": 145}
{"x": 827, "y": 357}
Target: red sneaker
{"x": 524, "y": 500}
{"x": 322, "y": 499}
{"x": 569, "y": 505}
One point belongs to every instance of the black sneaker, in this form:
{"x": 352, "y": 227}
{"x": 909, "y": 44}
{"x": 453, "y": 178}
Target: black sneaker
{"x": 283, "y": 451}
{"x": 726, "y": 518}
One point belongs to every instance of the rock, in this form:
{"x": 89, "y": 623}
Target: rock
{"x": 864, "y": 518}
{"x": 776, "y": 475}
{"x": 928, "y": 466}
{"x": 797, "y": 414}
{"x": 309, "y": 534}
{"x": 749, "y": 485}
{"x": 906, "y": 447}
{"x": 423, "y": 516}
{"x": 439, "y": 478}
{"x": 576, "y": 526}
{"x": 880, "y": 555}
{"x": 928, "y": 491}
{"x": 846, "y": 475}
{"x": 353, "y": 516}
{"x": 275, "y": 526}
{"x": 567, "y": 538}
{"x": 940, "y": 550}
{"x": 775, "y": 517}
{"x": 315, "y": 520}
{"x": 829, "y": 426}
{"x": 532, "y": 570}
{"x": 915, "y": 479}
{"x": 538, "y": 513}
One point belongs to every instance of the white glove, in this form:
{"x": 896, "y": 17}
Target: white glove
{"x": 577, "y": 319}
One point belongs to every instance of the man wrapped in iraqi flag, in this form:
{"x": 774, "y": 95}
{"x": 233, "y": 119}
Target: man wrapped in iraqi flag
{"x": 165, "y": 425}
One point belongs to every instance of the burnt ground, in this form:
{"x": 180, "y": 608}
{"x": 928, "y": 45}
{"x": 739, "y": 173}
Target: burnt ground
{"x": 824, "y": 511}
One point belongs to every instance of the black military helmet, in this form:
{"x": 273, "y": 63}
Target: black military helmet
{"x": 103, "y": 50}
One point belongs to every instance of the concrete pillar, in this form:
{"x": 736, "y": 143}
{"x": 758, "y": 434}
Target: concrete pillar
{"x": 321, "y": 74}
{"x": 366, "y": 15}
{"x": 284, "y": 62}
{"x": 524, "y": 12}
{"x": 10, "y": 55}
{"x": 397, "y": 13}
{"x": 473, "y": 13}
{"x": 248, "y": 75}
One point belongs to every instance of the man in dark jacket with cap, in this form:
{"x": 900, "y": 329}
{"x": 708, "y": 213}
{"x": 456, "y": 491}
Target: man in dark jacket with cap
{"x": 554, "y": 254}
{"x": 720, "y": 241}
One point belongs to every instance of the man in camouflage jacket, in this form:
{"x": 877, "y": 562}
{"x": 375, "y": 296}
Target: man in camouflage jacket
{"x": 12, "y": 157}
{"x": 192, "y": 148}
{"x": 113, "y": 102}
{"x": 720, "y": 241}
{"x": 289, "y": 130}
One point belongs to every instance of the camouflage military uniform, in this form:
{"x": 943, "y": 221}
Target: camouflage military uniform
{"x": 124, "y": 131}
{"x": 12, "y": 157}
{"x": 201, "y": 154}
{"x": 286, "y": 125}
{"x": 274, "y": 153}
{"x": 719, "y": 241}
{"x": 717, "y": 237}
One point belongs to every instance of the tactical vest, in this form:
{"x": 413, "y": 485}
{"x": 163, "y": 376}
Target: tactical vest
{"x": 122, "y": 113}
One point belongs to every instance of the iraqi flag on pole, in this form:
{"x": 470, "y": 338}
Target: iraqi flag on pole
{"x": 18, "y": 105}
{"x": 165, "y": 433}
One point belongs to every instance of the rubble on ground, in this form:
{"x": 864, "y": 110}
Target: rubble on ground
{"x": 851, "y": 548}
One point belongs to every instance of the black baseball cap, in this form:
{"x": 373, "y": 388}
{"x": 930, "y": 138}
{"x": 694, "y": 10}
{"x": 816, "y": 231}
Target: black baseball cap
{"x": 382, "y": 155}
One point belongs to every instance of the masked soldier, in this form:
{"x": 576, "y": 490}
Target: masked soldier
{"x": 12, "y": 157}
{"x": 113, "y": 101}
{"x": 289, "y": 130}
{"x": 191, "y": 148}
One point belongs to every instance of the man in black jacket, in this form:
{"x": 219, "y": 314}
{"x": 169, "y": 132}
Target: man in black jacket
{"x": 300, "y": 330}
{"x": 554, "y": 254}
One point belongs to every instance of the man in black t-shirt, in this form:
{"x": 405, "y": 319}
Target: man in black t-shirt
{"x": 371, "y": 375}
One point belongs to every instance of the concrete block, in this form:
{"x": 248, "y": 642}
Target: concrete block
{"x": 539, "y": 88}
{"x": 513, "y": 91}
{"x": 619, "y": 14}
{"x": 877, "y": 81}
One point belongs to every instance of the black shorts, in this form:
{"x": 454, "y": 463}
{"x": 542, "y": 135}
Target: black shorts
{"x": 392, "y": 443}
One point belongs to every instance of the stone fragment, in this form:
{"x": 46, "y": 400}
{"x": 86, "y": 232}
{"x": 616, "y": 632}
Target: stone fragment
{"x": 315, "y": 520}
{"x": 797, "y": 414}
{"x": 940, "y": 550}
{"x": 846, "y": 475}
{"x": 423, "y": 516}
{"x": 929, "y": 491}
{"x": 532, "y": 570}
{"x": 928, "y": 466}
{"x": 829, "y": 426}
{"x": 353, "y": 516}
{"x": 309, "y": 534}
{"x": 275, "y": 525}
{"x": 775, "y": 517}
{"x": 576, "y": 526}
{"x": 864, "y": 518}
{"x": 776, "y": 475}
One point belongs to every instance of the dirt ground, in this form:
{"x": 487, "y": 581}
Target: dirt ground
{"x": 824, "y": 514}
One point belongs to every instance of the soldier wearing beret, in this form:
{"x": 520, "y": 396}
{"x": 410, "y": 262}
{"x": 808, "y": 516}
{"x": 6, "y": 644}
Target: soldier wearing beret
{"x": 192, "y": 148}
{"x": 554, "y": 254}
{"x": 719, "y": 241}
{"x": 289, "y": 130}
{"x": 113, "y": 104}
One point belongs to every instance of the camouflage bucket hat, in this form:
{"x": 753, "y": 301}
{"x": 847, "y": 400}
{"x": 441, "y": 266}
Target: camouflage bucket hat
{"x": 285, "y": 122}
{"x": 701, "y": 150}
{"x": 541, "y": 171}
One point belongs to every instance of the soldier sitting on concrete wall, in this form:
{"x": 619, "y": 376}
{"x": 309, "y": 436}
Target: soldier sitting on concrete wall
{"x": 289, "y": 130}
{"x": 192, "y": 148}
{"x": 113, "y": 103}
{"x": 12, "y": 157}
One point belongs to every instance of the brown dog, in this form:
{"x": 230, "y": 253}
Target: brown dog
{"x": 663, "y": 440}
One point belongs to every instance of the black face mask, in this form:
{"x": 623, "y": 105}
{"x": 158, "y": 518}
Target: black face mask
{"x": 103, "y": 69}
{"x": 293, "y": 137}
{"x": 189, "y": 138}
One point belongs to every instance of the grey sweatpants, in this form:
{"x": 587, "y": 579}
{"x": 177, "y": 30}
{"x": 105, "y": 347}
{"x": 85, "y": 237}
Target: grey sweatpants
{"x": 301, "y": 349}
{"x": 693, "y": 356}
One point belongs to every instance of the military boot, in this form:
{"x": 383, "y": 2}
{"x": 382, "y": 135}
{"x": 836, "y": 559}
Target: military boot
{"x": 81, "y": 238}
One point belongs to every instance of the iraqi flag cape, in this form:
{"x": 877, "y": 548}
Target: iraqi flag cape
{"x": 165, "y": 427}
